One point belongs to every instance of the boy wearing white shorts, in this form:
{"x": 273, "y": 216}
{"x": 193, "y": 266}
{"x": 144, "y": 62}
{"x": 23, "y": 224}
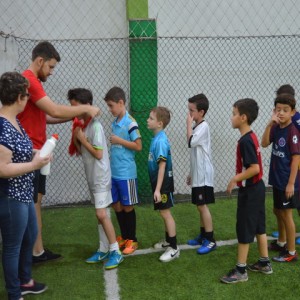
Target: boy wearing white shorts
{"x": 89, "y": 140}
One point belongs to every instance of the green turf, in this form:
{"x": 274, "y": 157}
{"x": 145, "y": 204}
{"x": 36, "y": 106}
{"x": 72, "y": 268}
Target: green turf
{"x": 72, "y": 232}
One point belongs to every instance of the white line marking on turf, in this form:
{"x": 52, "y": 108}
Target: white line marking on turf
{"x": 111, "y": 277}
{"x": 111, "y": 284}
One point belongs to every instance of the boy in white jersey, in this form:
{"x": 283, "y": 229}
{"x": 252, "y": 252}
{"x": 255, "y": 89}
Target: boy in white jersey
{"x": 90, "y": 142}
{"x": 202, "y": 172}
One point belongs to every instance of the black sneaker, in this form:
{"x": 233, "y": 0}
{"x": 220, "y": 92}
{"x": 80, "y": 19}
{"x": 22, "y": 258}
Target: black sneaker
{"x": 35, "y": 288}
{"x": 46, "y": 256}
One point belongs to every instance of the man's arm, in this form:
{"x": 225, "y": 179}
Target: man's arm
{"x": 65, "y": 111}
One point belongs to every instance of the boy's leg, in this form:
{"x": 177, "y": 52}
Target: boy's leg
{"x": 287, "y": 217}
{"x": 281, "y": 226}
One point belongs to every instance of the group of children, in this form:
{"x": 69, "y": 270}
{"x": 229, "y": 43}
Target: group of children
{"x": 114, "y": 182}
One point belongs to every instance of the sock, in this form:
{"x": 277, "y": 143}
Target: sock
{"x": 167, "y": 237}
{"x": 121, "y": 221}
{"x": 241, "y": 268}
{"x": 114, "y": 247}
{"x": 173, "y": 242}
{"x": 37, "y": 255}
{"x": 210, "y": 236}
{"x": 264, "y": 261}
{"x": 202, "y": 231}
{"x": 281, "y": 244}
{"x": 130, "y": 221}
{"x": 292, "y": 252}
{"x": 103, "y": 241}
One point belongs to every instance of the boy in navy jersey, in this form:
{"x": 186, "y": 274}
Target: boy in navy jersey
{"x": 251, "y": 194}
{"x": 161, "y": 179}
{"x": 283, "y": 174}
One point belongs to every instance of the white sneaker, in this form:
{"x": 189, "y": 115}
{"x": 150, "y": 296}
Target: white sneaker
{"x": 161, "y": 245}
{"x": 170, "y": 254}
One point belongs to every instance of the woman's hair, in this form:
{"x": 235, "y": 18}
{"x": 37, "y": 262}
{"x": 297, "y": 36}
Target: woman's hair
{"x": 12, "y": 84}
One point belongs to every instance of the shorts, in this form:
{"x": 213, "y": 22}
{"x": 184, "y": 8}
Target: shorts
{"x": 124, "y": 191}
{"x": 281, "y": 202}
{"x": 203, "y": 195}
{"x": 251, "y": 213}
{"x": 102, "y": 199}
{"x": 39, "y": 185}
{"x": 167, "y": 201}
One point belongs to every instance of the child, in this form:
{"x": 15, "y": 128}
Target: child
{"x": 201, "y": 178}
{"x": 161, "y": 178}
{"x": 90, "y": 142}
{"x": 125, "y": 141}
{"x": 283, "y": 174}
{"x": 251, "y": 194}
{"x": 280, "y": 243}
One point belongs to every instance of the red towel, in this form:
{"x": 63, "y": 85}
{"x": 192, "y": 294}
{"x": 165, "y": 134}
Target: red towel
{"x": 82, "y": 125}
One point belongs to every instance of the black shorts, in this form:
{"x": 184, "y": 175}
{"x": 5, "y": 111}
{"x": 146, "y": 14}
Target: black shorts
{"x": 167, "y": 201}
{"x": 39, "y": 185}
{"x": 203, "y": 195}
{"x": 251, "y": 214}
{"x": 281, "y": 202}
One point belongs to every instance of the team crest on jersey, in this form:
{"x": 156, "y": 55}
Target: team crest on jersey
{"x": 150, "y": 157}
{"x": 295, "y": 139}
{"x": 164, "y": 198}
{"x": 281, "y": 142}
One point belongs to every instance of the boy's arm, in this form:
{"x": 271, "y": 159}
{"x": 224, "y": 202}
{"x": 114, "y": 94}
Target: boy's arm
{"x": 189, "y": 130}
{"x": 131, "y": 145}
{"x": 248, "y": 173}
{"x": 97, "y": 153}
{"x": 290, "y": 188}
{"x": 160, "y": 178}
{"x": 265, "y": 140}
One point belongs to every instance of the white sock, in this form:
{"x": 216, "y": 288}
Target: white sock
{"x": 114, "y": 247}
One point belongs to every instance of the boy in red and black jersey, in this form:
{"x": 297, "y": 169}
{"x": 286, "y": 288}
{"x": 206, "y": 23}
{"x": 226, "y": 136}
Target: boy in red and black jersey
{"x": 251, "y": 220}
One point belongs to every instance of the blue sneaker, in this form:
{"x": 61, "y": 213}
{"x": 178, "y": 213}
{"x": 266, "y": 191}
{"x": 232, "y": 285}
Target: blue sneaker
{"x": 207, "y": 246}
{"x": 197, "y": 241}
{"x": 298, "y": 240}
{"x": 275, "y": 234}
{"x": 97, "y": 257}
{"x": 115, "y": 258}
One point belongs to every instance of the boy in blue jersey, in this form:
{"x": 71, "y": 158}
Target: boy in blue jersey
{"x": 251, "y": 216}
{"x": 280, "y": 243}
{"x": 90, "y": 142}
{"x": 283, "y": 174}
{"x": 161, "y": 179}
{"x": 125, "y": 141}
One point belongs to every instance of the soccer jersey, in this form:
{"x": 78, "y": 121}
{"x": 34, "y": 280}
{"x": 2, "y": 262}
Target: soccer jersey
{"x": 285, "y": 144}
{"x": 123, "y": 159}
{"x": 202, "y": 171}
{"x": 97, "y": 171}
{"x": 20, "y": 187}
{"x": 160, "y": 150}
{"x": 248, "y": 153}
{"x": 32, "y": 118}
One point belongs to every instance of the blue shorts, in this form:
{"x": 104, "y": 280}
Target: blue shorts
{"x": 124, "y": 191}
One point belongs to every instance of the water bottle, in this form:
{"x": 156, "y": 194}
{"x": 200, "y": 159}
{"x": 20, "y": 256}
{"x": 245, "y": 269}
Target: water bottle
{"x": 46, "y": 150}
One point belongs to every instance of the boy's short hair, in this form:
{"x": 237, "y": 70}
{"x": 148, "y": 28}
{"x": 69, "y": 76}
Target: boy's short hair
{"x": 162, "y": 115}
{"x": 45, "y": 50}
{"x": 200, "y": 101}
{"x": 81, "y": 95}
{"x": 12, "y": 84}
{"x": 285, "y": 89}
{"x": 287, "y": 99}
{"x": 248, "y": 107}
{"x": 115, "y": 94}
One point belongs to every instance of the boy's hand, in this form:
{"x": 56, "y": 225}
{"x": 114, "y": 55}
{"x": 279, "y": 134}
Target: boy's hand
{"x": 114, "y": 139}
{"x": 274, "y": 118}
{"x": 157, "y": 196}
{"x": 189, "y": 121}
{"x": 289, "y": 190}
{"x": 230, "y": 186}
{"x": 78, "y": 133}
{"x": 189, "y": 180}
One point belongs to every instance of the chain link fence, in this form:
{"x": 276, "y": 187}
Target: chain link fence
{"x": 214, "y": 47}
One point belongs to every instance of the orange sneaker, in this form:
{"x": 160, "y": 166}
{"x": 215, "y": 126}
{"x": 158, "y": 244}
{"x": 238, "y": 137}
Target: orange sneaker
{"x": 121, "y": 242}
{"x": 130, "y": 247}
